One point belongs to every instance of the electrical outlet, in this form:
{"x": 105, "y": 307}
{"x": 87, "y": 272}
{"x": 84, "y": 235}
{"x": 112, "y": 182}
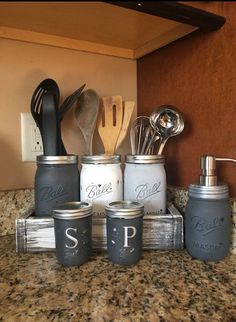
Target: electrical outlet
{"x": 31, "y": 141}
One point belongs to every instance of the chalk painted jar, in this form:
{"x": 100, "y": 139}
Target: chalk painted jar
{"x": 145, "y": 181}
{"x": 56, "y": 182}
{"x": 208, "y": 226}
{"x": 124, "y": 231}
{"x": 101, "y": 180}
{"x": 73, "y": 233}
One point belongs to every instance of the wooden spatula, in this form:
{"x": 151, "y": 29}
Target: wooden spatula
{"x": 128, "y": 108}
{"x": 109, "y": 121}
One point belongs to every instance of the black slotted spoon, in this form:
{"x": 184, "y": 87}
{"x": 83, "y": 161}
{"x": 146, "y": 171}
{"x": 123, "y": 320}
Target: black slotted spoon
{"x": 48, "y": 85}
{"x": 45, "y": 86}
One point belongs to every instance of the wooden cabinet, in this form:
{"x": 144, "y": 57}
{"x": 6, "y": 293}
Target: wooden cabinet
{"x": 122, "y": 29}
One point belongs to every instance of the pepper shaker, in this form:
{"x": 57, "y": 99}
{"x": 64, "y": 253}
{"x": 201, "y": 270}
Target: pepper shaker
{"x": 124, "y": 231}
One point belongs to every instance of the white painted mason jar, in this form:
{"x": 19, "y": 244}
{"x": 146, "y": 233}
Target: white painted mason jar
{"x": 145, "y": 181}
{"x": 101, "y": 180}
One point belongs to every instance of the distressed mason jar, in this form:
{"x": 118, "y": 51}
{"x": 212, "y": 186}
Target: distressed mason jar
{"x": 73, "y": 233}
{"x": 56, "y": 181}
{"x": 145, "y": 181}
{"x": 208, "y": 225}
{"x": 124, "y": 231}
{"x": 101, "y": 180}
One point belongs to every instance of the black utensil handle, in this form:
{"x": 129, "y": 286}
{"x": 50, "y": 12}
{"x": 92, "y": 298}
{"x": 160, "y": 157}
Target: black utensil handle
{"x": 61, "y": 150}
{"x": 49, "y": 124}
{"x": 69, "y": 101}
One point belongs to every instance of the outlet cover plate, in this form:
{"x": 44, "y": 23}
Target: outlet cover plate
{"x": 31, "y": 141}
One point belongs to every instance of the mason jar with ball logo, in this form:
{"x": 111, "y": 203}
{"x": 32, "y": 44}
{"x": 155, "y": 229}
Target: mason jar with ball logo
{"x": 73, "y": 232}
{"x": 145, "y": 182}
{"x": 56, "y": 181}
{"x": 124, "y": 226}
{"x": 101, "y": 180}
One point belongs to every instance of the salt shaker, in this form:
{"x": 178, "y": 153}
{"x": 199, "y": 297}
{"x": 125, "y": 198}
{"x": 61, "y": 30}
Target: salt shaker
{"x": 145, "y": 181}
{"x": 73, "y": 232}
{"x": 124, "y": 231}
{"x": 101, "y": 180}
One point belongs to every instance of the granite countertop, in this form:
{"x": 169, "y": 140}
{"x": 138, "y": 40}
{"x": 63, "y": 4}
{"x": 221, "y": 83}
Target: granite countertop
{"x": 162, "y": 286}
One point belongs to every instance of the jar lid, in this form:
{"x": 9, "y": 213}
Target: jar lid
{"x": 72, "y": 210}
{"x": 136, "y": 158}
{"x": 208, "y": 192}
{"x": 125, "y": 209}
{"x": 57, "y": 159}
{"x": 101, "y": 158}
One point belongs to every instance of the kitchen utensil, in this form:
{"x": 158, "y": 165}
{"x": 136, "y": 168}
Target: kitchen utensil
{"x": 128, "y": 108}
{"x": 47, "y": 85}
{"x": 148, "y": 135}
{"x": 109, "y": 122}
{"x": 69, "y": 101}
{"x": 65, "y": 106}
{"x": 139, "y": 132}
{"x": 49, "y": 124}
{"x": 150, "y": 147}
{"x": 166, "y": 121}
{"x": 135, "y": 134}
{"x": 86, "y": 112}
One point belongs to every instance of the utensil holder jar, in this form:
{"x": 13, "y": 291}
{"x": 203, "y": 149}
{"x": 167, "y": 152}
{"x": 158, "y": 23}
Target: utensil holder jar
{"x": 56, "y": 182}
{"x": 145, "y": 181}
{"x": 101, "y": 180}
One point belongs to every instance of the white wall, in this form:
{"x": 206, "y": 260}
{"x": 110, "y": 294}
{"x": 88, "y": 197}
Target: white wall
{"x": 23, "y": 66}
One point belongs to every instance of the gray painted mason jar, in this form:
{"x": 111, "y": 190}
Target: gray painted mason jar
{"x": 145, "y": 182}
{"x": 73, "y": 233}
{"x": 56, "y": 181}
{"x": 208, "y": 222}
{"x": 124, "y": 231}
{"x": 101, "y": 180}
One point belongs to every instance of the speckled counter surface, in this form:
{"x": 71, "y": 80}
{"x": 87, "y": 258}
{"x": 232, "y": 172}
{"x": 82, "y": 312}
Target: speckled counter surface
{"x": 163, "y": 286}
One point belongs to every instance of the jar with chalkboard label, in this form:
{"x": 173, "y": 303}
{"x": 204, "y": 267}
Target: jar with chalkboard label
{"x": 56, "y": 181}
{"x": 145, "y": 181}
{"x": 101, "y": 180}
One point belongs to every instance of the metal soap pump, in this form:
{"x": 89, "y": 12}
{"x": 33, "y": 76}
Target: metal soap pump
{"x": 208, "y": 214}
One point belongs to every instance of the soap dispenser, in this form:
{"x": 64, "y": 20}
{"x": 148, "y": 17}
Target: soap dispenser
{"x": 208, "y": 214}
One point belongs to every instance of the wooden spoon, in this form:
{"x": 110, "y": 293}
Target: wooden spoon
{"x": 128, "y": 109}
{"x": 86, "y": 112}
{"x": 109, "y": 122}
